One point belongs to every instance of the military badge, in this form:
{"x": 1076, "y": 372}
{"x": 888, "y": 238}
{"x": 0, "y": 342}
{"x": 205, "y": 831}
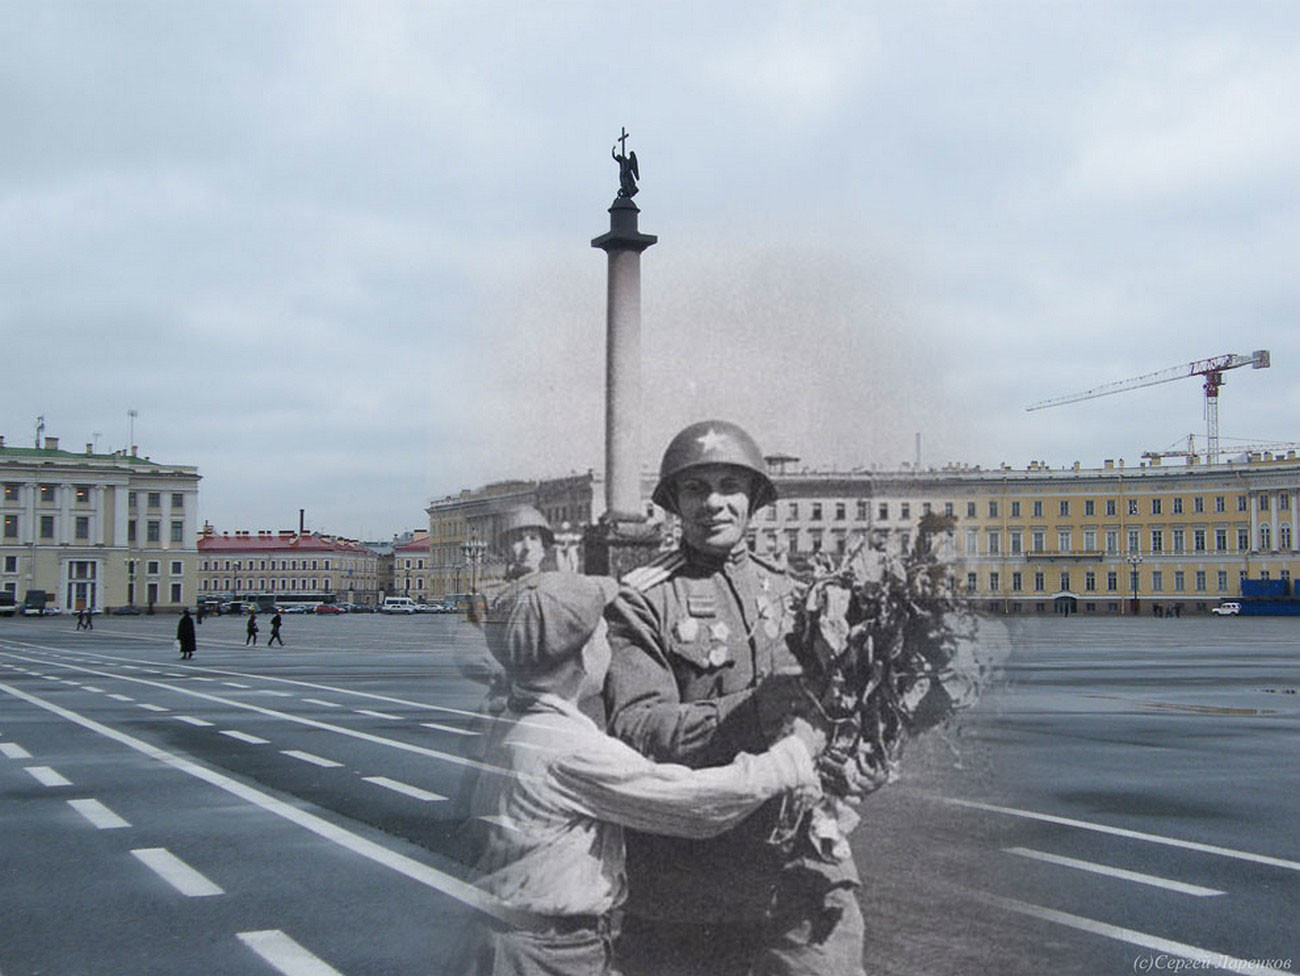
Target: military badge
{"x": 688, "y": 629}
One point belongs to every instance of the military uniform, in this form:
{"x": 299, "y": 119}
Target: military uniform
{"x": 692, "y": 637}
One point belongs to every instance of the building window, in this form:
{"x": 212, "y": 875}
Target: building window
{"x": 1132, "y": 506}
{"x": 1065, "y": 582}
{"x": 1015, "y": 510}
{"x": 1112, "y": 582}
{"x": 178, "y": 532}
{"x": 1133, "y": 544}
{"x": 11, "y": 527}
{"x": 1178, "y": 540}
{"x": 81, "y": 527}
{"x": 971, "y": 582}
{"x": 1284, "y": 500}
{"x": 995, "y": 582}
{"x": 1198, "y": 504}
{"x": 1221, "y": 580}
{"x": 1284, "y": 535}
{"x": 155, "y": 499}
{"x": 11, "y": 564}
{"x": 1242, "y": 504}
{"x": 1157, "y": 581}
{"x": 1090, "y": 582}
{"x": 1200, "y": 581}
{"x": 151, "y": 531}
{"x": 862, "y": 510}
{"x": 1112, "y": 541}
{"x": 925, "y": 508}
{"x": 1089, "y": 540}
{"x": 1220, "y": 540}
{"x": 1198, "y": 540}
{"x": 1178, "y": 506}
{"x": 1110, "y": 506}
{"x": 1155, "y": 506}
{"x": 176, "y": 593}
{"x": 1220, "y": 503}
{"x": 1039, "y": 540}
{"x": 905, "y": 510}
{"x": 793, "y": 510}
{"x": 1063, "y": 540}
{"x": 82, "y": 494}
{"x": 177, "y": 568}
{"x": 47, "y": 493}
{"x": 47, "y": 526}
{"x": 130, "y": 531}
{"x": 1265, "y": 537}
{"x": 948, "y": 509}
{"x": 11, "y": 491}
{"x": 1263, "y": 501}
{"x": 1040, "y": 583}
{"x": 152, "y": 567}
{"x": 1243, "y": 540}
{"x": 841, "y": 511}
{"x": 995, "y": 544}
{"x": 993, "y": 509}
{"x": 970, "y": 509}
{"x": 178, "y": 501}
{"x": 1157, "y": 540}
{"x": 1016, "y": 542}
{"x": 1016, "y": 581}
{"x": 816, "y": 511}
{"x": 1179, "y": 578}
{"x": 972, "y": 542}
{"x": 1089, "y": 507}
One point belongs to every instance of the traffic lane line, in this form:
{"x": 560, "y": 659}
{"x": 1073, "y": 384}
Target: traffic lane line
{"x": 98, "y": 814}
{"x": 176, "y": 872}
{"x": 12, "y": 750}
{"x": 1113, "y": 872}
{"x": 245, "y": 737}
{"x": 47, "y": 776}
{"x": 374, "y": 714}
{"x": 322, "y": 702}
{"x": 310, "y": 758}
{"x": 461, "y": 891}
{"x": 1203, "y": 958}
{"x": 447, "y": 728}
{"x": 286, "y": 955}
{"x": 1277, "y": 862}
{"x": 311, "y": 722}
{"x": 404, "y": 788}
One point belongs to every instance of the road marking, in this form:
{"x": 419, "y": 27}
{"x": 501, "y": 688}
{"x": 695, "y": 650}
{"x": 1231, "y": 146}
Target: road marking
{"x": 322, "y": 701}
{"x": 47, "y": 776}
{"x": 286, "y": 955}
{"x": 172, "y": 674}
{"x": 121, "y": 697}
{"x": 244, "y": 737}
{"x": 97, "y": 691}
{"x": 1189, "y": 845}
{"x": 152, "y": 708}
{"x": 1214, "y": 960}
{"x": 176, "y": 872}
{"x": 277, "y": 694}
{"x": 49, "y": 677}
{"x": 374, "y": 714}
{"x": 197, "y": 677}
{"x": 191, "y": 720}
{"x": 308, "y": 757}
{"x": 12, "y": 750}
{"x": 1140, "y": 878}
{"x": 101, "y": 816}
{"x": 235, "y": 684}
{"x": 75, "y": 684}
{"x": 447, "y": 728}
{"x": 430, "y": 877}
{"x": 405, "y": 788}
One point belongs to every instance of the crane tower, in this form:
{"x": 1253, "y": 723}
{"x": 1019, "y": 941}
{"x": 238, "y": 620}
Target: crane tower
{"x": 1211, "y": 369}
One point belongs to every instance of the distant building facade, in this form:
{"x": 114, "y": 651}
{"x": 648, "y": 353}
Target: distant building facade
{"x": 286, "y": 567}
{"x": 95, "y": 531}
{"x": 412, "y": 568}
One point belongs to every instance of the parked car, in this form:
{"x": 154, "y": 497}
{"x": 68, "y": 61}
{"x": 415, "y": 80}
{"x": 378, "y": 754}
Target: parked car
{"x": 329, "y": 608}
{"x": 399, "y": 604}
{"x": 49, "y": 610}
{"x": 8, "y": 607}
{"x": 1229, "y": 608}
{"x": 360, "y": 608}
{"x": 126, "y": 611}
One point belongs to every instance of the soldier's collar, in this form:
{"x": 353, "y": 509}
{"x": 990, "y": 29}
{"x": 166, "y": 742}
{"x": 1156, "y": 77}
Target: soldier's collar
{"x": 739, "y": 556}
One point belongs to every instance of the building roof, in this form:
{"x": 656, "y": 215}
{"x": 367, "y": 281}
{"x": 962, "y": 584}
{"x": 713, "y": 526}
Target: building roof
{"x": 248, "y": 542}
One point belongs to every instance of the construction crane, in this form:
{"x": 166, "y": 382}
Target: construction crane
{"x": 1186, "y": 448}
{"x": 1212, "y": 369}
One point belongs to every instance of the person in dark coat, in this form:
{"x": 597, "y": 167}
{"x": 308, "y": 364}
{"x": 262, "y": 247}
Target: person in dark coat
{"x": 275, "y": 630}
{"x": 185, "y": 634}
{"x": 252, "y": 630}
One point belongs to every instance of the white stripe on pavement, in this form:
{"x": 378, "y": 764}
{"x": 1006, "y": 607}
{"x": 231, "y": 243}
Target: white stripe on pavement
{"x": 97, "y": 691}
{"x": 152, "y": 708}
{"x": 235, "y": 684}
{"x": 244, "y": 737}
{"x": 277, "y": 694}
{"x": 12, "y": 750}
{"x": 176, "y": 872}
{"x": 322, "y": 701}
{"x": 1188, "y": 845}
{"x": 399, "y": 787}
{"x": 1139, "y": 877}
{"x": 191, "y": 720}
{"x": 98, "y": 814}
{"x": 47, "y": 776}
{"x": 373, "y": 714}
{"x": 308, "y": 757}
{"x": 286, "y": 955}
{"x": 121, "y": 697}
{"x": 430, "y": 877}
{"x": 1205, "y": 957}
{"x": 447, "y": 728}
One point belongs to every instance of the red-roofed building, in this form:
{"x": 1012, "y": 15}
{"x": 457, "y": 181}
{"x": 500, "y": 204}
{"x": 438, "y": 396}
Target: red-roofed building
{"x": 286, "y": 567}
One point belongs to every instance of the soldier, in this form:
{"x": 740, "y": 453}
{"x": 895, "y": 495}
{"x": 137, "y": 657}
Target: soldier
{"x": 528, "y": 539}
{"x": 700, "y": 673}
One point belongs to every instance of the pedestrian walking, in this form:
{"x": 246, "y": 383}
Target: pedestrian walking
{"x": 81, "y": 619}
{"x": 185, "y": 634}
{"x": 90, "y": 618}
{"x": 275, "y": 631}
{"x": 701, "y": 673}
{"x": 251, "y": 637}
{"x": 554, "y": 860}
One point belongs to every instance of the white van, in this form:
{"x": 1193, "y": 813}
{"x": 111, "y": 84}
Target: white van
{"x": 399, "y": 604}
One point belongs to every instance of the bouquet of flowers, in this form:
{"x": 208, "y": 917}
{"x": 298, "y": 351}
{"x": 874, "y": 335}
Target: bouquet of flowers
{"x": 889, "y": 650}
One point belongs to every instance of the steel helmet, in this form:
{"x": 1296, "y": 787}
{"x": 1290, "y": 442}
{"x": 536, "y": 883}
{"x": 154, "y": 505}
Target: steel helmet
{"x": 713, "y": 442}
{"x": 527, "y": 517}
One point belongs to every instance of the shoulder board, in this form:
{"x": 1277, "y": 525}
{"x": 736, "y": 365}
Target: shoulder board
{"x": 774, "y": 564}
{"x": 654, "y": 572}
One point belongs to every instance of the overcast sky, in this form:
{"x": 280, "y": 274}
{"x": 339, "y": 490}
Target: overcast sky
{"x": 338, "y": 255}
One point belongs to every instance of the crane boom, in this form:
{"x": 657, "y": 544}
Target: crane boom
{"x": 1212, "y": 369}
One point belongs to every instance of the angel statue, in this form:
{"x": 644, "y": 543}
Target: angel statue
{"x": 628, "y": 173}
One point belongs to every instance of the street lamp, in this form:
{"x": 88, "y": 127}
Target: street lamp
{"x": 473, "y": 551}
{"x": 1134, "y": 560}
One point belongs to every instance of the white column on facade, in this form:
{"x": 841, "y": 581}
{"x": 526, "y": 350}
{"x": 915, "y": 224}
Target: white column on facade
{"x": 165, "y": 530}
{"x": 1291, "y": 503}
{"x": 119, "y": 514}
{"x": 1252, "y": 506}
{"x": 97, "y": 516}
{"x": 27, "y": 526}
{"x": 1272, "y": 511}
{"x": 63, "y": 521}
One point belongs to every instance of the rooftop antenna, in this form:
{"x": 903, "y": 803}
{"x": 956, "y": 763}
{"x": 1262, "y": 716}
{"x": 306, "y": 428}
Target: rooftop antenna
{"x": 131, "y": 415}
{"x": 40, "y": 429}
{"x": 94, "y": 440}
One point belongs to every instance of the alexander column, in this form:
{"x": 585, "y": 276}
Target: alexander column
{"x": 623, "y": 540}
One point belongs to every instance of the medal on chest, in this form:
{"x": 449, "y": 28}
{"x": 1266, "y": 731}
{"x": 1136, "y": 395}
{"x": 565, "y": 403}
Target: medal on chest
{"x": 719, "y": 650}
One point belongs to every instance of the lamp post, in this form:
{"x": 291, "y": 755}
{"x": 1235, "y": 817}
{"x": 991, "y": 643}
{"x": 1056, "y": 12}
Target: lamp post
{"x": 473, "y": 551}
{"x": 1134, "y": 560}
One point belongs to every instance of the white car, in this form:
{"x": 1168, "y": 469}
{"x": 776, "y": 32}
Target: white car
{"x": 399, "y": 604}
{"x": 1229, "y": 609}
